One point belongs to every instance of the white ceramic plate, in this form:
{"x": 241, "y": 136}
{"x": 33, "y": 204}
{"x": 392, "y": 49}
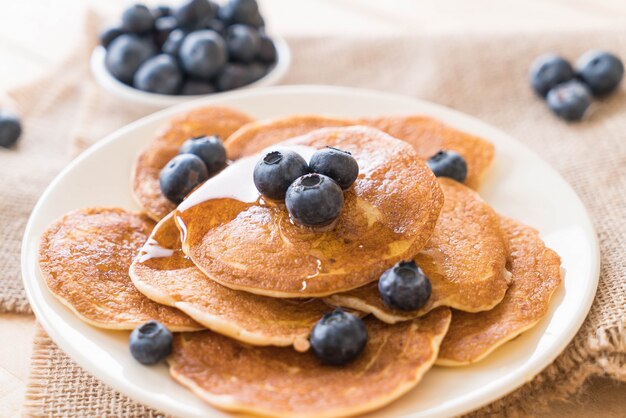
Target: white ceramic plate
{"x": 519, "y": 184}
{"x": 160, "y": 101}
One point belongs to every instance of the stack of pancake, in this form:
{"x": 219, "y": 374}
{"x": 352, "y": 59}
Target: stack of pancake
{"x": 242, "y": 286}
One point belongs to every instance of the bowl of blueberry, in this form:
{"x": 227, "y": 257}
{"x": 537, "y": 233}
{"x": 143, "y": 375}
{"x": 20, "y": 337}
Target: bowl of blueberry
{"x": 167, "y": 55}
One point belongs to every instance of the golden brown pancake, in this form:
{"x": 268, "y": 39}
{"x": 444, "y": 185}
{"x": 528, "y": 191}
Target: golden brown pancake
{"x": 536, "y": 273}
{"x": 428, "y": 136}
{"x": 256, "y": 136}
{"x": 389, "y": 214}
{"x": 219, "y": 121}
{"x": 162, "y": 273}
{"x": 84, "y": 259}
{"x": 283, "y": 383}
{"x": 464, "y": 260}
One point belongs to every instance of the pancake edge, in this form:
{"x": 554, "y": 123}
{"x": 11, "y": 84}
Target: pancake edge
{"x": 228, "y": 403}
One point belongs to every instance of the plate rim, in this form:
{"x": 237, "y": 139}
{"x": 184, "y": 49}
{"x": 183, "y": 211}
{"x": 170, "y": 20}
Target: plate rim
{"x": 512, "y": 381}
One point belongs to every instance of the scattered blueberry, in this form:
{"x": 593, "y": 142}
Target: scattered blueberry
{"x": 150, "y": 343}
{"x": 338, "y": 338}
{"x": 448, "y": 164}
{"x": 231, "y": 77}
{"x": 137, "y": 19}
{"x": 267, "y": 50}
{"x": 601, "y": 71}
{"x": 275, "y": 172}
{"x": 203, "y": 53}
{"x": 181, "y": 175}
{"x": 569, "y": 100}
{"x": 10, "y": 129}
{"x": 337, "y": 164}
{"x": 404, "y": 287}
{"x": 195, "y": 14}
{"x": 196, "y": 87}
{"x": 314, "y": 200}
{"x": 125, "y": 54}
{"x": 174, "y": 41}
{"x": 210, "y": 150}
{"x": 549, "y": 70}
{"x": 161, "y": 11}
{"x": 109, "y": 34}
{"x": 160, "y": 74}
{"x": 241, "y": 11}
{"x": 242, "y": 42}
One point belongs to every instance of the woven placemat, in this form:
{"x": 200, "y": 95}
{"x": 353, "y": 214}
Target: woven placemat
{"x": 483, "y": 74}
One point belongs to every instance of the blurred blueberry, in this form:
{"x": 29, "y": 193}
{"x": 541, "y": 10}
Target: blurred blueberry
{"x": 216, "y": 25}
{"x": 126, "y": 54}
{"x": 160, "y": 74}
{"x": 243, "y": 42}
{"x": 549, "y": 70}
{"x": 10, "y": 129}
{"x": 173, "y": 42}
{"x": 137, "y": 19}
{"x": 193, "y": 87}
{"x": 232, "y": 77}
{"x": 256, "y": 71}
{"x": 601, "y": 71}
{"x": 109, "y": 34}
{"x": 241, "y": 11}
{"x": 195, "y": 14}
{"x": 569, "y": 100}
{"x": 163, "y": 26}
{"x": 267, "y": 50}
{"x": 203, "y": 54}
{"x": 161, "y": 11}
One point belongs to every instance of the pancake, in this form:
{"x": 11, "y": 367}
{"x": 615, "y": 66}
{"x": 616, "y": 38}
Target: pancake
{"x": 256, "y": 136}
{"x": 428, "y": 136}
{"x": 84, "y": 259}
{"x": 464, "y": 260}
{"x": 162, "y": 273}
{"x": 536, "y": 273}
{"x": 247, "y": 243}
{"x": 219, "y": 121}
{"x": 283, "y": 383}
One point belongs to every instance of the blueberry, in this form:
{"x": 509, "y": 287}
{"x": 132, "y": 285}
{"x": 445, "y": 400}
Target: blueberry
{"x": 448, "y": 164}
{"x": 276, "y": 171}
{"x": 241, "y": 11}
{"x": 601, "y": 71}
{"x": 195, "y": 14}
{"x": 255, "y": 71}
{"x": 137, "y": 19}
{"x": 338, "y": 338}
{"x": 150, "y": 343}
{"x": 549, "y": 70}
{"x": 242, "y": 42}
{"x": 216, "y": 25}
{"x": 109, "y": 34}
{"x": 210, "y": 150}
{"x": 203, "y": 53}
{"x": 193, "y": 87}
{"x": 337, "y": 164}
{"x": 267, "y": 50}
{"x": 181, "y": 175}
{"x": 231, "y": 77}
{"x": 569, "y": 100}
{"x": 174, "y": 41}
{"x": 314, "y": 200}
{"x": 10, "y": 129}
{"x": 126, "y": 54}
{"x": 163, "y": 26}
{"x": 404, "y": 287}
{"x": 160, "y": 74}
{"x": 161, "y": 11}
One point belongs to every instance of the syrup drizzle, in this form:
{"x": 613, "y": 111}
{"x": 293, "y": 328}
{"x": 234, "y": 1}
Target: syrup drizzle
{"x": 152, "y": 249}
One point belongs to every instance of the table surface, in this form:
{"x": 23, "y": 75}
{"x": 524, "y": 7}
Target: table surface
{"x": 29, "y": 50}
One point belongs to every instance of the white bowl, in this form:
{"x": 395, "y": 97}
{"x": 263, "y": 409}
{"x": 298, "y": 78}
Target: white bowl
{"x": 159, "y": 101}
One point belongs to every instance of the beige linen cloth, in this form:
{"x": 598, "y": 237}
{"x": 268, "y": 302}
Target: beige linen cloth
{"x": 481, "y": 73}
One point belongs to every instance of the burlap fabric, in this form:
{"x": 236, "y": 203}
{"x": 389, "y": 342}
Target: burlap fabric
{"x": 481, "y": 73}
